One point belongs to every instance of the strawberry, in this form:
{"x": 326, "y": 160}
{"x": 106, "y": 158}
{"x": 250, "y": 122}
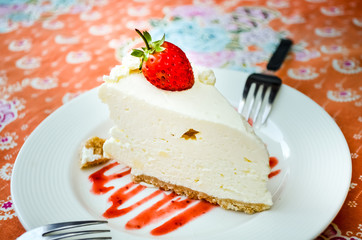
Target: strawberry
{"x": 164, "y": 64}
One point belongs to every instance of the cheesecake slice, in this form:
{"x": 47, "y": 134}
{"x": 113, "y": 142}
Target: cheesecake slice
{"x": 192, "y": 142}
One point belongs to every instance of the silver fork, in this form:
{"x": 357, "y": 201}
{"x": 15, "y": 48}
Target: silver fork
{"x": 49, "y": 232}
{"x": 261, "y": 89}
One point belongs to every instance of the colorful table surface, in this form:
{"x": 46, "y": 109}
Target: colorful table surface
{"x": 53, "y": 51}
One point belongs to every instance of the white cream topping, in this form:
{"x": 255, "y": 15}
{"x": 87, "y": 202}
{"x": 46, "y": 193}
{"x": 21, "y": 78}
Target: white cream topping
{"x": 204, "y": 75}
{"x": 89, "y": 156}
{"x": 131, "y": 63}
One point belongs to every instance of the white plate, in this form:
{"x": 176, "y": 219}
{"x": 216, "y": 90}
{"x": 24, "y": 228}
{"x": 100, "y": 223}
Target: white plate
{"x": 48, "y": 186}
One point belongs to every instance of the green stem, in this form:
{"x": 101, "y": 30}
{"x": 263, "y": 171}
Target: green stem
{"x": 144, "y": 39}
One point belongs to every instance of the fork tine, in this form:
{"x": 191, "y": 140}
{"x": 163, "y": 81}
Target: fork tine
{"x": 259, "y": 97}
{"x": 265, "y": 113}
{"x": 264, "y": 108}
{"x": 248, "y": 107}
{"x": 68, "y": 225}
{"x": 241, "y": 105}
{"x": 273, "y": 92}
{"x": 74, "y": 234}
{"x": 247, "y": 87}
{"x": 247, "y": 90}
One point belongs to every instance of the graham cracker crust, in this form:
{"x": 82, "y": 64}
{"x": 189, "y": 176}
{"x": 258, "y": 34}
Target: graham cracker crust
{"x": 96, "y": 144}
{"x": 229, "y": 204}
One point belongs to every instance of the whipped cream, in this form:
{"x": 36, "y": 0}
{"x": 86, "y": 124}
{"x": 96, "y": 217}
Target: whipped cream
{"x": 89, "y": 156}
{"x": 130, "y": 64}
{"x": 204, "y": 75}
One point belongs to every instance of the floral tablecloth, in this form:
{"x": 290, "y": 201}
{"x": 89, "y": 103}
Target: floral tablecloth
{"x": 53, "y": 51}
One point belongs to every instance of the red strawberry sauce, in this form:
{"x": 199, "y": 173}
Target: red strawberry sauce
{"x": 184, "y": 217}
{"x": 273, "y": 162}
{"x": 99, "y": 179}
{"x": 183, "y": 210}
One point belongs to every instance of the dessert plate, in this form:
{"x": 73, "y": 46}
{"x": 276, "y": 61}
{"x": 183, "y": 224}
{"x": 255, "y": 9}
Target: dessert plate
{"x": 311, "y": 179}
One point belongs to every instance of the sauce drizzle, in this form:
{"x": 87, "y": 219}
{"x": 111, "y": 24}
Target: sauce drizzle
{"x": 180, "y": 210}
{"x": 274, "y": 173}
{"x": 99, "y": 179}
{"x": 168, "y": 205}
{"x": 273, "y": 162}
{"x": 119, "y": 197}
{"x": 165, "y": 207}
{"x": 181, "y": 219}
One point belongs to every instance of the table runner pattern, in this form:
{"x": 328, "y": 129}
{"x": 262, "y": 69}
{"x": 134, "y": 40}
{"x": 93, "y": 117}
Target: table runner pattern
{"x": 52, "y": 51}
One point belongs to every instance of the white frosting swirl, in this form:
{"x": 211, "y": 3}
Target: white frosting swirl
{"x": 130, "y": 63}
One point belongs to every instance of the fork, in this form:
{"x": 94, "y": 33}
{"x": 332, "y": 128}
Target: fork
{"x": 261, "y": 89}
{"x": 49, "y": 231}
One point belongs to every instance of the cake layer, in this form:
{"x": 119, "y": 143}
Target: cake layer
{"x": 209, "y": 163}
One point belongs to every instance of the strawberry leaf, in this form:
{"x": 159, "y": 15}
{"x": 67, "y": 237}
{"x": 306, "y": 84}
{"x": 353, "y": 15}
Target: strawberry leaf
{"x": 137, "y": 53}
{"x": 157, "y": 44}
{"x": 143, "y": 38}
{"x": 147, "y": 36}
{"x": 161, "y": 41}
{"x": 151, "y": 47}
{"x": 159, "y": 49}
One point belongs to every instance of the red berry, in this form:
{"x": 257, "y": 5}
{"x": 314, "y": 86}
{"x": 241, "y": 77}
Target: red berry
{"x": 169, "y": 69}
{"x": 165, "y": 65}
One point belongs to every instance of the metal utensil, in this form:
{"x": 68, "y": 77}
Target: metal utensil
{"x": 57, "y": 231}
{"x": 261, "y": 89}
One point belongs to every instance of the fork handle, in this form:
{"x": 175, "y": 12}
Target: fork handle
{"x": 279, "y": 55}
